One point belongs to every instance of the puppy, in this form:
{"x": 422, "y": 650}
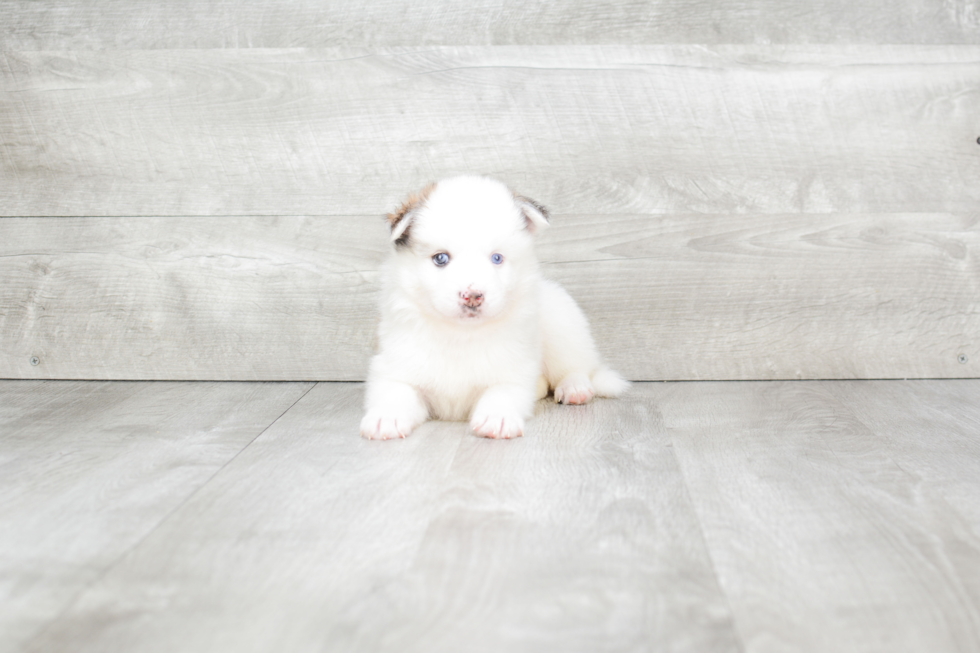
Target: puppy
{"x": 469, "y": 329}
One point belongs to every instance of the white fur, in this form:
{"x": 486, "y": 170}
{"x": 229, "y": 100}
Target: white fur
{"x": 441, "y": 359}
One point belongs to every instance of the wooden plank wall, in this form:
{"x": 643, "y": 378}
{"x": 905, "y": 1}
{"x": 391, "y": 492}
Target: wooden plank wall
{"x": 756, "y": 191}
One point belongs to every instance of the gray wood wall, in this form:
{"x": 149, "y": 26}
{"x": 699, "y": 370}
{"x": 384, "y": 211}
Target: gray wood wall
{"x": 750, "y": 190}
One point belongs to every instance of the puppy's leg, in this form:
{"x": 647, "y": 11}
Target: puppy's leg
{"x": 541, "y": 389}
{"x": 575, "y": 388}
{"x": 393, "y": 410}
{"x": 571, "y": 361}
{"x": 501, "y": 411}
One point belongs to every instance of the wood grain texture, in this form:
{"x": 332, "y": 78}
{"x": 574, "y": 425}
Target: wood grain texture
{"x": 670, "y": 297}
{"x": 223, "y": 298}
{"x": 87, "y": 470}
{"x": 585, "y": 129}
{"x": 770, "y": 297}
{"x": 805, "y": 516}
{"x": 579, "y": 537}
{"x": 822, "y": 540}
{"x": 109, "y": 24}
{"x": 937, "y": 442}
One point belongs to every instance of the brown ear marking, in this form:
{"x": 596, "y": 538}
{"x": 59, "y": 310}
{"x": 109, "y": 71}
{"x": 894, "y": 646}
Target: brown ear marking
{"x": 528, "y": 208}
{"x": 412, "y": 203}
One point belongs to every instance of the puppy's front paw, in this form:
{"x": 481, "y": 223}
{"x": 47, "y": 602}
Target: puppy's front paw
{"x": 497, "y": 426}
{"x": 380, "y": 426}
{"x": 574, "y": 389}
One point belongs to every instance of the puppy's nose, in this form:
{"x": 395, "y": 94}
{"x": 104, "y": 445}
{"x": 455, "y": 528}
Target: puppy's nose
{"x": 471, "y": 298}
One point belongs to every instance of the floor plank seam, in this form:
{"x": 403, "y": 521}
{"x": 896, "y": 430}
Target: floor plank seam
{"x": 736, "y": 630}
{"x": 136, "y": 545}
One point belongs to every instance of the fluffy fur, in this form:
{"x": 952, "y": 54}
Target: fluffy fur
{"x": 469, "y": 329}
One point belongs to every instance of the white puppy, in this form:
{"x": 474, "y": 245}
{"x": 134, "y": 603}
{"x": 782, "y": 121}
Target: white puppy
{"x": 469, "y": 329}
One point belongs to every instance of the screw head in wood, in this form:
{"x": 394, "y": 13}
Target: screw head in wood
{"x": 962, "y": 358}
{"x": 35, "y": 360}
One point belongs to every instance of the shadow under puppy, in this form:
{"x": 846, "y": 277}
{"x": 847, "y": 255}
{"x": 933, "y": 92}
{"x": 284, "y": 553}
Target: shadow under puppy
{"x": 469, "y": 328}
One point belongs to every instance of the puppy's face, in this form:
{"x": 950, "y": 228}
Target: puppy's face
{"x": 464, "y": 248}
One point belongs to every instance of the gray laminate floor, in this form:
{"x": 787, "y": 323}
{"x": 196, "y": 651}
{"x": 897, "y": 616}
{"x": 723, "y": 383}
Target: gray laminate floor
{"x": 774, "y": 516}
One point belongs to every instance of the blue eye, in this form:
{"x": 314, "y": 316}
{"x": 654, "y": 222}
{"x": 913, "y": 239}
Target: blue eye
{"x": 440, "y": 259}
{"x": 497, "y": 259}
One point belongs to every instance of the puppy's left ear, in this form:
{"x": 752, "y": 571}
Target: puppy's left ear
{"x": 400, "y": 221}
{"x": 536, "y": 217}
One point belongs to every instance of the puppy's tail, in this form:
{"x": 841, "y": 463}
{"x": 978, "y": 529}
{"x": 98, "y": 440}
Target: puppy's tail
{"x": 608, "y": 383}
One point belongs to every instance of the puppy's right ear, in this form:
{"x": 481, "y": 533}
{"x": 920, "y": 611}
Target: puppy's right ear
{"x": 400, "y": 221}
{"x": 536, "y": 217}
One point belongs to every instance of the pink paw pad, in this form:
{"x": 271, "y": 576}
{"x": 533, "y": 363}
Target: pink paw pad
{"x": 498, "y": 428}
{"x": 574, "y": 393}
{"x": 384, "y": 428}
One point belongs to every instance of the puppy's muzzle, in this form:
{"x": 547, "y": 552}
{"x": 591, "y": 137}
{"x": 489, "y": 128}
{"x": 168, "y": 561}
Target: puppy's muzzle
{"x": 471, "y": 298}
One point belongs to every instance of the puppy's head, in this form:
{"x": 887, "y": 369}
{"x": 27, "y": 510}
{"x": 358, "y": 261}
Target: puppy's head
{"x": 464, "y": 247}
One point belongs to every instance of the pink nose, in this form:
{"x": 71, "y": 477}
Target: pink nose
{"x": 471, "y": 298}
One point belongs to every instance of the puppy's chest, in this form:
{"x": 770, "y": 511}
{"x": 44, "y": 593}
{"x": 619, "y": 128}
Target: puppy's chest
{"x": 450, "y": 364}
{"x": 453, "y": 376}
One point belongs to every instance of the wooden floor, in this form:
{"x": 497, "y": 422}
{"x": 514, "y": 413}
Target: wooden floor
{"x": 752, "y": 516}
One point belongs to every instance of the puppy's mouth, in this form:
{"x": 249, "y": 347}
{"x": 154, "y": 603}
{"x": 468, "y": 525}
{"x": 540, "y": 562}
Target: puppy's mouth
{"x": 470, "y": 312}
